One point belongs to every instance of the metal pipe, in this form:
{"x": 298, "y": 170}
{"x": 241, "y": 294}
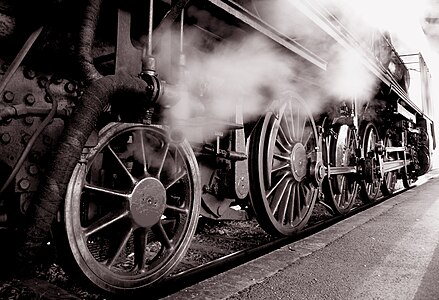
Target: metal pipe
{"x": 86, "y": 38}
{"x": 150, "y": 27}
{"x": 148, "y": 61}
{"x": 19, "y": 58}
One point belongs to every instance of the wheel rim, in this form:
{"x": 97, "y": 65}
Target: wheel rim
{"x": 280, "y": 159}
{"x": 408, "y": 177}
{"x": 132, "y": 209}
{"x": 370, "y": 191}
{"x": 341, "y": 190}
{"x": 390, "y": 178}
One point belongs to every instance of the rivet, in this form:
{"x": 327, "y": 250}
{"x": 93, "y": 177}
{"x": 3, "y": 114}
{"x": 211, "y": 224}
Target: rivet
{"x": 6, "y": 138}
{"x": 42, "y": 81}
{"x": 56, "y": 79}
{"x": 24, "y": 184}
{"x": 4, "y": 68}
{"x": 47, "y": 98}
{"x": 47, "y": 140}
{"x": 33, "y": 169}
{"x": 8, "y": 96}
{"x": 70, "y": 87}
{"x": 29, "y": 99}
{"x": 34, "y": 156}
{"x": 25, "y": 138}
{"x": 29, "y": 73}
{"x": 28, "y": 120}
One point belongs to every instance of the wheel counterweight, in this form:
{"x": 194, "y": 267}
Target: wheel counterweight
{"x": 132, "y": 207}
{"x": 281, "y": 156}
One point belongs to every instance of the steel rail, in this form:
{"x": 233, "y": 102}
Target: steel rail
{"x": 186, "y": 278}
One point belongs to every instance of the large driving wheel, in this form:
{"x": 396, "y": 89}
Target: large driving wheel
{"x": 280, "y": 166}
{"x": 370, "y": 188}
{"x": 132, "y": 207}
{"x": 390, "y": 179}
{"x": 341, "y": 190}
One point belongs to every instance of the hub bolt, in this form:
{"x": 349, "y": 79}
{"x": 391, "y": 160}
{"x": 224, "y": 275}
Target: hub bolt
{"x": 29, "y": 99}
{"x": 28, "y": 120}
{"x": 6, "y": 138}
{"x": 8, "y": 96}
{"x": 33, "y": 169}
{"x": 70, "y": 87}
{"x": 24, "y": 184}
{"x": 29, "y": 73}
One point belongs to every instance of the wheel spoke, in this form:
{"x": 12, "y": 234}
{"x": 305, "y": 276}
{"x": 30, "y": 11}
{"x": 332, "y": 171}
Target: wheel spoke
{"x": 140, "y": 242}
{"x": 302, "y": 124}
{"x": 293, "y": 127}
{"x": 176, "y": 179}
{"x": 107, "y": 191}
{"x": 162, "y": 236}
{"x": 162, "y": 161}
{"x": 281, "y": 157}
{"x": 280, "y": 168}
{"x": 284, "y": 136}
{"x": 284, "y": 201}
{"x": 288, "y": 132}
{"x": 342, "y": 188}
{"x": 126, "y": 171}
{"x": 158, "y": 160}
{"x": 184, "y": 211}
{"x": 291, "y": 208}
{"x": 145, "y": 162}
{"x": 104, "y": 222}
{"x": 276, "y": 185}
{"x": 301, "y": 198}
{"x": 119, "y": 249}
{"x": 282, "y": 146}
{"x": 279, "y": 196}
{"x": 305, "y": 142}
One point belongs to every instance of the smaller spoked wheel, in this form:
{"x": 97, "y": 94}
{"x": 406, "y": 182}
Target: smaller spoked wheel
{"x": 131, "y": 209}
{"x": 370, "y": 187}
{"x": 341, "y": 190}
{"x": 390, "y": 179}
{"x": 409, "y": 177}
{"x": 280, "y": 162}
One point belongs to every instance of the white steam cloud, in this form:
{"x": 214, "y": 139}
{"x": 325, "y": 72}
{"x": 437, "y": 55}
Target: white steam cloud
{"x": 234, "y": 67}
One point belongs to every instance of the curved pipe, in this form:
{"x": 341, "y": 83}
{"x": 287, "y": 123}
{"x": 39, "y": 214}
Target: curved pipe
{"x": 86, "y": 38}
{"x": 42, "y": 212}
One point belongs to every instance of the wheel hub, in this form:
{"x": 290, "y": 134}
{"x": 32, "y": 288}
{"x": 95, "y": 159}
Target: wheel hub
{"x": 298, "y": 161}
{"x": 148, "y": 202}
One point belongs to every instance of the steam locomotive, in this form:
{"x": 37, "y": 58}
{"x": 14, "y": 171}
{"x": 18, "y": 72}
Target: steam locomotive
{"x": 123, "y": 122}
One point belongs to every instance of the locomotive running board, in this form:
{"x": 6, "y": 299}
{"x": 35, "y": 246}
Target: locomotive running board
{"x": 256, "y": 23}
{"x": 388, "y": 166}
{"x": 393, "y": 165}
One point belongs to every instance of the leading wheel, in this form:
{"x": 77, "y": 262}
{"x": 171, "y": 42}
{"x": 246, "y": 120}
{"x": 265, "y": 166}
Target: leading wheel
{"x": 341, "y": 190}
{"x": 132, "y": 207}
{"x": 280, "y": 166}
{"x": 370, "y": 188}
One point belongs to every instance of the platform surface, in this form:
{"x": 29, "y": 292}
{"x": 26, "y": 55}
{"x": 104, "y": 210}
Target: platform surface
{"x": 387, "y": 252}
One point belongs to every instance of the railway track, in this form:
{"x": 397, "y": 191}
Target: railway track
{"x": 216, "y": 248}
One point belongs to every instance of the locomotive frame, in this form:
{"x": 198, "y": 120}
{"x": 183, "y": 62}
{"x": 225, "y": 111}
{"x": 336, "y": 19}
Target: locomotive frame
{"x": 127, "y": 185}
